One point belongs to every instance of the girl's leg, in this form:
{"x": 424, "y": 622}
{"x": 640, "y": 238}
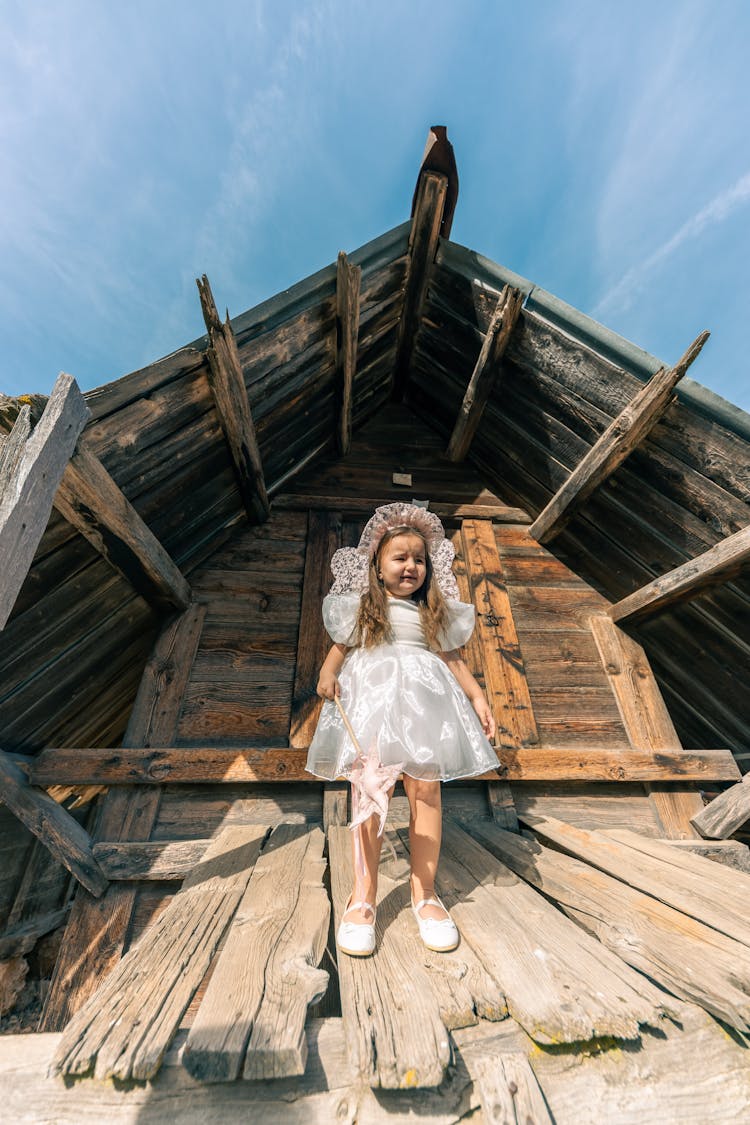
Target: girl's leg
{"x": 367, "y": 843}
{"x": 425, "y": 832}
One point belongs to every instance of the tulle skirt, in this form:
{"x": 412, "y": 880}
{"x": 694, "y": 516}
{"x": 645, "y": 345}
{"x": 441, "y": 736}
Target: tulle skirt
{"x": 404, "y": 701}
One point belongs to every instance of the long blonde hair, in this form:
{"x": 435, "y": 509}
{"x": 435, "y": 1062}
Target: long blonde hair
{"x": 373, "y": 625}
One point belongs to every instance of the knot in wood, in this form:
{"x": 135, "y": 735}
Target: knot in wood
{"x": 490, "y": 619}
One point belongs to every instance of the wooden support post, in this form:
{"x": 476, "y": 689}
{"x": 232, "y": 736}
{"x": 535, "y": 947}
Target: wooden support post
{"x": 423, "y": 244}
{"x": 31, "y": 468}
{"x": 485, "y": 371}
{"x": 719, "y": 564}
{"x": 505, "y": 674}
{"x": 95, "y": 505}
{"x": 323, "y": 538}
{"x": 619, "y": 440}
{"x": 348, "y": 281}
{"x": 97, "y": 931}
{"x": 233, "y": 406}
{"x": 646, "y": 721}
{"x": 726, "y": 813}
{"x": 60, "y": 833}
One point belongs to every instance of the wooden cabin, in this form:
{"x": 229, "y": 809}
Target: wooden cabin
{"x": 171, "y": 877}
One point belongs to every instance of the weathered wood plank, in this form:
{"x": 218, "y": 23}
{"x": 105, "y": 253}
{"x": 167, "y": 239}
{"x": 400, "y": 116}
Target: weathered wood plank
{"x": 688, "y": 958}
{"x": 30, "y": 481}
{"x": 323, "y": 538}
{"x": 560, "y": 984}
{"x": 645, "y": 717}
{"x": 719, "y": 564}
{"x": 230, "y": 764}
{"x": 502, "y": 808}
{"x": 505, "y": 675}
{"x": 94, "y": 504}
{"x": 464, "y": 988}
{"x": 335, "y": 805}
{"x": 726, "y": 813}
{"x": 232, "y": 406}
{"x": 97, "y": 931}
{"x": 365, "y": 505}
{"x": 21, "y": 938}
{"x": 508, "y": 1089}
{"x": 251, "y": 1019}
{"x": 395, "y": 1035}
{"x": 12, "y": 447}
{"x": 348, "y": 282}
{"x": 483, "y": 377}
{"x": 152, "y": 861}
{"x": 692, "y": 894}
{"x": 60, "y": 833}
{"x": 126, "y": 1026}
{"x": 619, "y": 440}
{"x": 423, "y": 243}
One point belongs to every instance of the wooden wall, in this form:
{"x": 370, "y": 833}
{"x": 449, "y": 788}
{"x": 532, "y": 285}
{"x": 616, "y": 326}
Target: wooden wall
{"x": 72, "y": 654}
{"x": 685, "y": 489}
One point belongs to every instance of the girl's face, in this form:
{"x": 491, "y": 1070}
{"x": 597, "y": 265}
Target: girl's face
{"x": 403, "y": 565}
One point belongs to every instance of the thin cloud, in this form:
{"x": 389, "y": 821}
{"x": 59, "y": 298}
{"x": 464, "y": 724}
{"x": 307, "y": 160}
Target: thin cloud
{"x": 621, "y": 296}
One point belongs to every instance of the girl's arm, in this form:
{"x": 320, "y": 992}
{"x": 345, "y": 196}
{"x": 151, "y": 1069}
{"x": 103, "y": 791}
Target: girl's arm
{"x": 476, "y": 696}
{"x": 328, "y": 682}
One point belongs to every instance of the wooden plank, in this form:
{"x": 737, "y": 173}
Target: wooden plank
{"x": 97, "y": 931}
{"x": 719, "y": 564}
{"x": 645, "y": 717}
{"x": 21, "y": 938}
{"x": 251, "y": 1020}
{"x": 688, "y": 958}
{"x": 348, "y": 282}
{"x": 365, "y": 505}
{"x": 323, "y": 538}
{"x": 28, "y": 491}
{"x": 726, "y": 813}
{"x": 12, "y": 447}
{"x": 94, "y": 504}
{"x": 620, "y": 438}
{"x": 561, "y": 985}
{"x": 423, "y": 243}
{"x": 691, "y": 893}
{"x": 231, "y": 764}
{"x": 152, "y": 861}
{"x": 483, "y": 377}
{"x": 501, "y": 806}
{"x": 126, "y": 1026}
{"x": 505, "y": 675}
{"x": 730, "y": 853}
{"x": 508, "y": 1089}
{"x": 335, "y": 805}
{"x": 727, "y": 877}
{"x": 232, "y": 406}
{"x": 60, "y": 833}
{"x": 394, "y": 1032}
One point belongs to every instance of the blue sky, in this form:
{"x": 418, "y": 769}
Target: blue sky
{"x": 602, "y": 151}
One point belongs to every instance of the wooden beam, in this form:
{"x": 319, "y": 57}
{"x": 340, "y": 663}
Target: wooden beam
{"x": 364, "y": 505}
{"x": 348, "y": 282}
{"x": 726, "y": 813}
{"x": 619, "y": 440}
{"x": 31, "y": 468}
{"x": 323, "y": 538}
{"x": 97, "y": 931}
{"x": 505, "y": 674}
{"x": 94, "y": 504}
{"x": 233, "y": 406}
{"x": 60, "y": 833}
{"x": 152, "y": 861}
{"x": 423, "y": 244}
{"x": 720, "y": 563}
{"x": 504, "y": 318}
{"x": 229, "y": 764}
{"x": 646, "y": 719}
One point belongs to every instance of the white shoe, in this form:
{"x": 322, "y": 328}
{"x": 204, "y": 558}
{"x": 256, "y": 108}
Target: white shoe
{"x": 357, "y": 938}
{"x": 438, "y": 934}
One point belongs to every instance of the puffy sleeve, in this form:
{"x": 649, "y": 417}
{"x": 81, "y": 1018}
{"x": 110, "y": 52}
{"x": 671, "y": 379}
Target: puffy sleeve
{"x": 340, "y": 617}
{"x": 460, "y": 625}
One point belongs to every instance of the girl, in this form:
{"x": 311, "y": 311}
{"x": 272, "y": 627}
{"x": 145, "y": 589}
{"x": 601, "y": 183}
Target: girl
{"x": 395, "y": 619}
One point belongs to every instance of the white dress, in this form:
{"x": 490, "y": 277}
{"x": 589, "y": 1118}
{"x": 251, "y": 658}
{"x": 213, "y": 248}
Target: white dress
{"x": 401, "y": 699}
